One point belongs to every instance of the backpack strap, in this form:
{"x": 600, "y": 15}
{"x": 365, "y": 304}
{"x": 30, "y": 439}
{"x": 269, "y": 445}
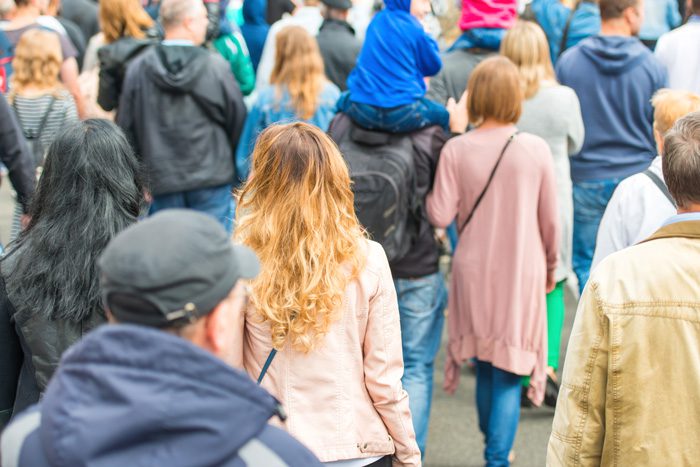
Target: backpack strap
{"x": 567, "y": 27}
{"x": 267, "y": 364}
{"x": 42, "y": 124}
{"x": 488, "y": 183}
{"x": 660, "y": 185}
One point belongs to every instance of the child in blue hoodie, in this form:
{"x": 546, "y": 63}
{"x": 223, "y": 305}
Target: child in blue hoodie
{"x": 387, "y": 87}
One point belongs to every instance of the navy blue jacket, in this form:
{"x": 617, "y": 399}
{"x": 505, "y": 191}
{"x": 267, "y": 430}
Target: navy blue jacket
{"x": 254, "y": 28}
{"x": 396, "y": 56}
{"x": 130, "y": 395}
{"x": 614, "y": 78}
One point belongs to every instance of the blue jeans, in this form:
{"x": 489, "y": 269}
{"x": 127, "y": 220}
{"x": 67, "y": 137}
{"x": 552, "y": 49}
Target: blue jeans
{"x": 421, "y": 305}
{"x": 216, "y": 201}
{"x": 498, "y": 405}
{"x": 590, "y": 201}
{"x": 408, "y": 118}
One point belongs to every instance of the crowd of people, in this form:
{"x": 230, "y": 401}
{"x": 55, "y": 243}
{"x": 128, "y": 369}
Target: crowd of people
{"x": 214, "y": 194}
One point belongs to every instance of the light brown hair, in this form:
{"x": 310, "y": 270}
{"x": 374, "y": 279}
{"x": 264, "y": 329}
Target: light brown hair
{"x": 670, "y": 105}
{"x": 494, "y": 92}
{"x": 123, "y": 18}
{"x": 613, "y": 9}
{"x": 526, "y": 45}
{"x": 298, "y": 70}
{"x": 681, "y": 160}
{"x": 37, "y": 62}
{"x": 297, "y": 213}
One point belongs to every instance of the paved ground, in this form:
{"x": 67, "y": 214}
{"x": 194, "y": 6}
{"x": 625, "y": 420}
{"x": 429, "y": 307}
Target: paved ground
{"x": 454, "y": 440}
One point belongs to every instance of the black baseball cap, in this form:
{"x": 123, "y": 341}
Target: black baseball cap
{"x": 171, "y": 269}
{"x": 338, "y": 4}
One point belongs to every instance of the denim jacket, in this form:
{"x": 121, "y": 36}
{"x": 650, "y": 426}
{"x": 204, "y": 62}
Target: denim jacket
{"x": 269, "y": 109}
{"x": 628, "y": 395}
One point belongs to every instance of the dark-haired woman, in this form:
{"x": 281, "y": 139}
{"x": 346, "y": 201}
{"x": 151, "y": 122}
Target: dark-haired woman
{"x": 49, "y": 295}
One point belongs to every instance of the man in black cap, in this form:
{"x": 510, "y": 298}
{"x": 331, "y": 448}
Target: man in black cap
{"x": 150, "y": 389}
{"x": 337, "y": 41}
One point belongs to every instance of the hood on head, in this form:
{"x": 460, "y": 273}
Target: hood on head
{"x": 613, "y": 55}
{"x": 400, "y": 5}
{"x": 128, "y": 392}
{"x": 254, "y": 11}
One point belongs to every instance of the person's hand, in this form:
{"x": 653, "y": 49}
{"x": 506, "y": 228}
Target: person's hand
{"x": 551, "y": 282}
{"x": 24, "y": 221}
{"x": 459, "y": 117}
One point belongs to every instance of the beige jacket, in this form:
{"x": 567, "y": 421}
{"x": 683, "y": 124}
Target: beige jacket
{"x": 344, "y": 400}
{"x": 630, "y": 393}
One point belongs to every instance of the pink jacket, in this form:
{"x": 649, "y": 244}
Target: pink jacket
{"x": 488, "y": 14}
{"x": 344, "y": 400}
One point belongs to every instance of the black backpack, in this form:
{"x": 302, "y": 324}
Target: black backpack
{"x": 383, "y": 173}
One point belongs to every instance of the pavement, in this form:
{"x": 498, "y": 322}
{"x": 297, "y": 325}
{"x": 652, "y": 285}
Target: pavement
{"x": 454, "y": 439}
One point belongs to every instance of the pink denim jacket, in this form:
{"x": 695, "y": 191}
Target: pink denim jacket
{"x": 344, "y": 399}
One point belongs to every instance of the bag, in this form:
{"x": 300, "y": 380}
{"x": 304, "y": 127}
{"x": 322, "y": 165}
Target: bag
{"x": 6, "y": 56}
{"x": 383, "y": 176}
{"x": 33, "y": 137}
{"x": 488, "y": 184}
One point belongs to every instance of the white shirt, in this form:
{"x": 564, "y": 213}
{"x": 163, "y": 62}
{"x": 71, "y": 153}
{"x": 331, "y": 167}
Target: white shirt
{"x": 308, "y": 17}
{"x": 353, "y": 462}
{"x": 679, "y": 51}
{"x": 636, "y": 210}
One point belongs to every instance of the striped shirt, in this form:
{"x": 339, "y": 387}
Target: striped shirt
{"x": 30, "y": 112}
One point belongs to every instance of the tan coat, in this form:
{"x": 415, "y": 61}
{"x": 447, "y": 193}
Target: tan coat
{"x": 630, "y": 393}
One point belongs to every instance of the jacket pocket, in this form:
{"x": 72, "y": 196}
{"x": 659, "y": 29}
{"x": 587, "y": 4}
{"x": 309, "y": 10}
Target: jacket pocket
{"x": 377, "y": 447}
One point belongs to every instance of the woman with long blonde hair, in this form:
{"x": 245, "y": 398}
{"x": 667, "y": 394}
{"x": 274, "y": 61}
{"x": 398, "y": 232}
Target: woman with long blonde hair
{"x": 552, "y": 112}
{"x": 298, "y": 90}
{"x": 324, "y": 302}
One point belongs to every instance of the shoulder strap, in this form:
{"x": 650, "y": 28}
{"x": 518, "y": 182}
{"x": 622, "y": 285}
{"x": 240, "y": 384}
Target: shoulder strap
{"x": 45, "y": 118}
{"x": 660, "y": 185}
{"x": 567, "y": 27}
{"x": 488, "y": 183}
{"x": 266, "y": 366}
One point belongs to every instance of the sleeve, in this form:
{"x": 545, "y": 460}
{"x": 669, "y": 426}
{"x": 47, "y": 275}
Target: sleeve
{"x": 673, "y": 16}
{"x": 110, "y": 83}
{"x": 428, "y": 55}
{"x": 244, "y": 71}
{"x": 578, "y": 429}
{"x": 614, "y": 226}
{"x": 235, "y": 110}
{"x": 443, "y": 201}
{"x": 253, "y": 125}
{"x": 16, "y": 155}
{"x": 125, "y": 114}
{"x": 547, "y": 211}
{"x": 67, "y": 48}
{"x": 576, "y": 131}
{"x": 383, "y": 366}
{"x": 11, "y": 360}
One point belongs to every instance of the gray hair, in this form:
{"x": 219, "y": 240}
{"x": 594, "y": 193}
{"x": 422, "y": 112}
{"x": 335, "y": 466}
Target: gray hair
{"x": 173, "y": 12}
{"x": 681, "y": 160}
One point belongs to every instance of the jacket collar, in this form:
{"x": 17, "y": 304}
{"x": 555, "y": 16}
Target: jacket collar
{"x": 684, "y": 229}
{"x": 337, "y": 24}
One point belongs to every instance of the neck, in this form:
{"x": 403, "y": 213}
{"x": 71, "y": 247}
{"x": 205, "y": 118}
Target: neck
{"x": 25, "y": 14}
{"x": 177, "y": 34}
{"x": 492, "y": 123}
{"x": 615, "y": 27}
{"x": 689, "y": 208}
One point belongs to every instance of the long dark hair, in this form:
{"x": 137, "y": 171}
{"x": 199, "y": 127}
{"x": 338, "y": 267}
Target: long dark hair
{"x": 89, "y": 191}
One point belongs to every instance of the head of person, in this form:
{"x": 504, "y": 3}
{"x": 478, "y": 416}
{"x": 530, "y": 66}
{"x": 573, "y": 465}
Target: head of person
{"x": 178, "y": 271}
{"x": 38, "y": 7}
{"x": 681, "y": 162}
{"x": 297, "y": 213}
{"x": 526, "y": 46}
{"x": 123, "y": 18}
{"x": 418, "y": 8}
{"x": 298, "y": 70}
{"x": 184, "y": 19}
{"x": 89, "y": 191}
{"x": 626, "y": 16}
{"x": 693, "y": 7}
{"x": 336, "y": 9}
{"x": 494, "y": 93}
{"x": 670, "y": 105}
{"x": 37, "y": 62}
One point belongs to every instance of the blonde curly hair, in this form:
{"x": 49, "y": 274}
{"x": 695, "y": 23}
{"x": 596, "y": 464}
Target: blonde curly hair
{"x": 37, "y": 62}
{"x": 297, "y": 213}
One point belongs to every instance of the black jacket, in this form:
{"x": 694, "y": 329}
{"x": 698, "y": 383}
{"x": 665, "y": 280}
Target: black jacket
{"x": 16, "y": 155}
{"x": 422, "y": 258}
{"x": 339, "y": 49}
{"x": 183, "y": 112}
{"x": 114, "y": 59}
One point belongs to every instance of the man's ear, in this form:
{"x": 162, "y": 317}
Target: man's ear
{"x": 217, "y": 327}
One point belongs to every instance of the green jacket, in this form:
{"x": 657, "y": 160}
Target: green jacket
{"x": 232, "y": 47}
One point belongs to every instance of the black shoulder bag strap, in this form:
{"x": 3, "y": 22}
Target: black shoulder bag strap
{"x": 488, "y": 183}
{"x": 565, "y": 34}
{"x": 266, "y": 366}
{"x": 661, "y": 185}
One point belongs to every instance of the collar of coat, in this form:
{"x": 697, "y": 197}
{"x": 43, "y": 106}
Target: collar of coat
{"x": 686, "y": 229}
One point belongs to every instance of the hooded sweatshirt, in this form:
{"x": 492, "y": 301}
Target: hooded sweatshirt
{"x": 614, "y": 78}
{"x": 396, "y": 56}
{"x": 130, "y": 395}
{"x": 254, "y": 28}
{"x": 166, "y": 84}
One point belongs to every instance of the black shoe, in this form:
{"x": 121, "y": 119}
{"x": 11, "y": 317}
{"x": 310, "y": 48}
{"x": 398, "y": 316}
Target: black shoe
{"x": 551, "y": 392}
{"x": 525, "y": 402}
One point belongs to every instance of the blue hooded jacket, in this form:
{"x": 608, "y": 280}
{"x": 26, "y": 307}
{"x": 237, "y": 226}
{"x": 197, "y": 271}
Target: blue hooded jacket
{"x": 396, "y": 56}
{"x": 255, "y": 28}
{"x": 552, "y": 16}
{"x": 130, "y": 395}
{"x": 614, "y": 78}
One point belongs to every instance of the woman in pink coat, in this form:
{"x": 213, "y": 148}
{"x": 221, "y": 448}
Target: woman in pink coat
{"x": 499, "y": 184}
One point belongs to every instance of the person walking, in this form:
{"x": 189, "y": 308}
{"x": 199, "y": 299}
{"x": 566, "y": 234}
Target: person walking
{"x": 298, "y": 90}
{"x": 322, "y": 331}
{"x": 500, "y": 185}
{"x": 552, "y": 112}
{"x": 254, "y": 28}
{"x": 337, "y": 41}
{"x": 679, "y": 51}
{"x": 90, "y": 190}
